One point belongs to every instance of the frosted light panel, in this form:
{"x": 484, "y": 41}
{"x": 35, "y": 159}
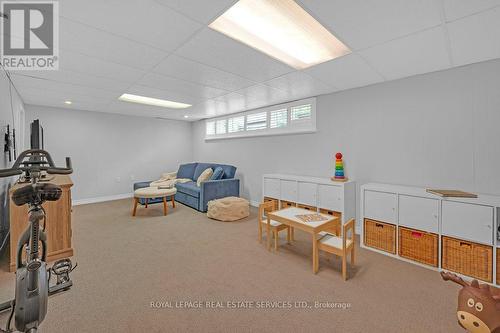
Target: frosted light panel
{"x": 152, "y": 101}
{"x": 282, "y": 30}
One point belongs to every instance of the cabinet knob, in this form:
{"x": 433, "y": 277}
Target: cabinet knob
{"x": 488, "y": 226}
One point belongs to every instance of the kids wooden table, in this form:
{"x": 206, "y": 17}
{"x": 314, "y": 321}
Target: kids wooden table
{"x": 289, "y": 217}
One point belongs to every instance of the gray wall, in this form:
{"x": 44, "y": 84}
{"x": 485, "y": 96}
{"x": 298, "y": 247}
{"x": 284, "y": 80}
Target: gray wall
{"x": 438, "y": 130}
{"x": 11, "y": 110}
{"x": 110, "y": 152}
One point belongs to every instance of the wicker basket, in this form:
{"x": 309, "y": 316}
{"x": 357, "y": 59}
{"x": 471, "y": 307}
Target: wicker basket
{"x": 468, "y": 258}
{"x": 379, "y": 235}
{"x": 336, "y": 229}
{"x": 311, "y": 208}
{"x": 498, "y": 266}
{"x": 418, "y": 246}
{"x": 274, "y": 201}
{"x": 286, "y": 204}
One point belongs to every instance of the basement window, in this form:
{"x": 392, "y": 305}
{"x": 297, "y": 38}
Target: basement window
{"x": 288, "y": 118}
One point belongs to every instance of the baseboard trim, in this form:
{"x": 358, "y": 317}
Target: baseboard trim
{"x": 102, "y": 199}
{"x": 254, "y": 203}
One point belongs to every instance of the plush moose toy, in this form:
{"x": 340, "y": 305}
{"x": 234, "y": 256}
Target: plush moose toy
{"x": 478, "y": 306}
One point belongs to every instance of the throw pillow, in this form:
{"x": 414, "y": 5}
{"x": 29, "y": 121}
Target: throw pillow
{"x": 205, "y": 175}
{"x": 218, "y": 174}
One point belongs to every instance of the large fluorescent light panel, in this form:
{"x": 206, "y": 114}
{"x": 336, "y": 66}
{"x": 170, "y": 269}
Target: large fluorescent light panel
{"x": 281, "y": 29}
{"x": 152, "y": 101}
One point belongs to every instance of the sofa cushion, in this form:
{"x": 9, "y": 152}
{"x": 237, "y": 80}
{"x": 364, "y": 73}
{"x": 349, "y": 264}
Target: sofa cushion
{"x": 187, "y": 171}
{"x": 189, "y": 188}
{"x": 205, "y": 175}
{"x": 218, "y": 173}
{"x": 229, "y": 170}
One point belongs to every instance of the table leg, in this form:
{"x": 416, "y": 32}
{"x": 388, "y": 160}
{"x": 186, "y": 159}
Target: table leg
{"x": 165, "y": 209}
{"x": 146, "y": 200}
{"x": 268, "y": 234}
{"x": 293, "y": 233}
{"x": 315, "y": 253}
{"x": 136, "y": 201}
{"x": 173, "y": 201}
{"x": 288, "y": 235}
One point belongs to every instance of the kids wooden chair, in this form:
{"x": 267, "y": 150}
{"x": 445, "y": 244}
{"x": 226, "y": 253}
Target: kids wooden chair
{"x": 340, "y": 246}
{"x": 274, "y": 227}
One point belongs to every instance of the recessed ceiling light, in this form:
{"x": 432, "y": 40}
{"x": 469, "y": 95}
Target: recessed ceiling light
{"x": 186, "y": 116}
{"x": 152, "y": 101}
{"x": 282, "y": 30}
{"x": 68, "y": 102}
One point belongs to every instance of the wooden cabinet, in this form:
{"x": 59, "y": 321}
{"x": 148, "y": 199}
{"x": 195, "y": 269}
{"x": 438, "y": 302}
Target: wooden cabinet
{"x": 381, "y": 206}
{"x": 58, "y": 223}
{"x": 419, "y": 213}
{"x": 468, "y": 221}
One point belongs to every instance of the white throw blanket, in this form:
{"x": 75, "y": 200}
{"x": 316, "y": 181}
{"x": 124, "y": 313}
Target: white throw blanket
{"x": 168, "y": 182}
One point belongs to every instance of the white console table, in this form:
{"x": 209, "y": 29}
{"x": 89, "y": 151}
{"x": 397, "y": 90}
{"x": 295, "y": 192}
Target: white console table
{"x": 317, "y": 193}
{"x": 474, "y": 220}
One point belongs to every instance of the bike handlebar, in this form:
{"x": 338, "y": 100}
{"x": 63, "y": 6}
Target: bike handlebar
{"x": 40, "y": 161}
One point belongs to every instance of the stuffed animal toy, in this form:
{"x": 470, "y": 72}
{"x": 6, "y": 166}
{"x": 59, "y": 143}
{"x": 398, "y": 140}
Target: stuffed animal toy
{"x": 478, "y": 306}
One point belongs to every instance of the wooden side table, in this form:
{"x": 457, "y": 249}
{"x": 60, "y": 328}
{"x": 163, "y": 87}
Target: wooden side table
{"x": 58, "y": 222}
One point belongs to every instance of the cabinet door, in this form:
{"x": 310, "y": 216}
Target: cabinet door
{"x": 381, "y": 206}
{"x": 468, "y": 221}
{"x": 331, "y": 197}
{"x": 289, "y": 190}
{"x": 307, "y": 193}
{"x": 419, "y": 213}
{"x": 272, "y": 188}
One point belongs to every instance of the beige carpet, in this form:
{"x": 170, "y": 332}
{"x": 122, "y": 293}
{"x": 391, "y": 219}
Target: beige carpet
{"x": 125, "y": 264}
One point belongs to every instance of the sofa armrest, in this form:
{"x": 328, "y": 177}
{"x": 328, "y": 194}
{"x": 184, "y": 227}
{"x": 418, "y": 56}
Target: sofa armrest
{"x": 216, "y": 189}
{"x": 141, "y": 185}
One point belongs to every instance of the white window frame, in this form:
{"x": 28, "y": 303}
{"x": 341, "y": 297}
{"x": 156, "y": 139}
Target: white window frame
{"x": 293, "y": 127}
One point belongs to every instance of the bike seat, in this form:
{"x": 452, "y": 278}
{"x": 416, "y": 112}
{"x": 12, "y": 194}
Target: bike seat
{"x": 37, "y": 193}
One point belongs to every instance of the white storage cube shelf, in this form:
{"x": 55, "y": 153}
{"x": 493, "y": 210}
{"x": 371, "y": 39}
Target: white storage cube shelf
{"x": 470, "y": 219}
{"x": 322, "y": 193}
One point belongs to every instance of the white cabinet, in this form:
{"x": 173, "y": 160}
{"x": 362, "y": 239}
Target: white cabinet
{"x": 272, "y": 188}
{"x": 468, "y": 221}
{"x": 313, "y": 191}
{"x": 307, "y": 193}
{"x": 419, "y": 213}
{"x": 380, "y": 206}
{"x": 288, "y": 190}
{"x": 330, "y": 197}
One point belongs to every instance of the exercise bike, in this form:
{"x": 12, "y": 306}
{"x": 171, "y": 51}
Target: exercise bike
{"x": 32, "y": 276}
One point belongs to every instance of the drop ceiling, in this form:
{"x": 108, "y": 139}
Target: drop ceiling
{"x": 164, "y": 49}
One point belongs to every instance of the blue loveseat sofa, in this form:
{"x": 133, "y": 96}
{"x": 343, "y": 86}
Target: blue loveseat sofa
{"x": 198, "y": 197}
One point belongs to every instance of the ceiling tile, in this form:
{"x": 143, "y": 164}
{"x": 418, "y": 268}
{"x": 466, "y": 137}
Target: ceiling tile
{"x": 300, "y": 83}
{"x": 215, "y": 49}
{"x": 264, "y": 94}
{"x": 475, "y": 38}
{"x": 361, "y": 23}
{"x": 64, "y": 90}
{"x": 82, "y": 79}
{"x": 176, "y": 85}
{"x": 174, "y": 96}
{"x": 202, "y": 11}
{"x": 77, "y": 62}
{"x": 419, "y": 53}
{"x": 199, "y": 73}
{"x": 147, "y": 22}
{"x": 92, "y": 42}
{"x": 455, "y": 9}
{"x": 346, "y": 72}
